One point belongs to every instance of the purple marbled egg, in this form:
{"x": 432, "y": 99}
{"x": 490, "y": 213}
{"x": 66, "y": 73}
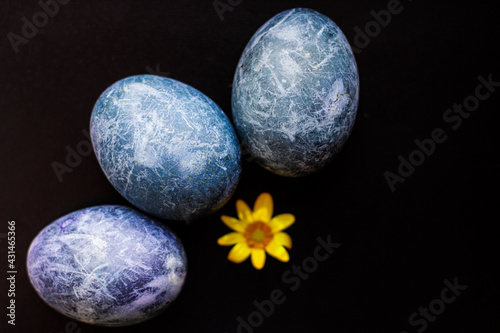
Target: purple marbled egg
{"x": 107, "y": 265}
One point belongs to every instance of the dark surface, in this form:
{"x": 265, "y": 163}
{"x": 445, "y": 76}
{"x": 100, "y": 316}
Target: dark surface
{"x": 397, "y": 248}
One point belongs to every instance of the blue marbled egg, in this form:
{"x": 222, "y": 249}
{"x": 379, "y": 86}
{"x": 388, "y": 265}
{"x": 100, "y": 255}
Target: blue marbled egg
{"x": 295, "y": 93}
{"x": 107, "y": 265}
{"x": 166, "y": 147}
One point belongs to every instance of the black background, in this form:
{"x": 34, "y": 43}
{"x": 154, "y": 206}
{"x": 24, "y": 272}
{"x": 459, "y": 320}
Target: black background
{"x": 397, "y": 248}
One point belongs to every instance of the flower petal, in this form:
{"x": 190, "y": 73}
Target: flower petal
{"x": 278, "y": 251}
{"x": 258, "y": 258}
{"x": 282, "y": 238}
{"x": 263, "y": 208}
{"x": 239, "y": 253}
{"x": 244, "y": 212}
{"x": 233, "y": 223}
{"x": 282, "y": 221}
{"x": 231, "y": 239}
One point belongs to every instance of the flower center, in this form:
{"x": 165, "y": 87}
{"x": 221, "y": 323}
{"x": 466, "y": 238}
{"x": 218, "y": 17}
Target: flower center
{"x": 258, "y": 235}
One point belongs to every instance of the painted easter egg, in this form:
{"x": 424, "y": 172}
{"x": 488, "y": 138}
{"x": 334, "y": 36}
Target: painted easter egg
{"x": 166, "y": 147}
{"x": 107, "y": 265}
{"x": 295, "y": 93}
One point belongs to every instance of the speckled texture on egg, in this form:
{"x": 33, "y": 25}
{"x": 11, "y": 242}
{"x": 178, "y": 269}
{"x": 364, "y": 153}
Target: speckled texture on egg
{"x": 295, "y": 93}
{"x": 166, "y": 147}
{"x": 107, "y": 265}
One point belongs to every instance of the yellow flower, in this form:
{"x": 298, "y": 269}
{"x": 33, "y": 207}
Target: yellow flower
{"x": 257, "y": 232}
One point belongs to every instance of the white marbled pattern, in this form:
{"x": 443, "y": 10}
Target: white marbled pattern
{"x": 295, "y": 93}
{"x": 107, "y": 265}
{"x": 166, "y": 147}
